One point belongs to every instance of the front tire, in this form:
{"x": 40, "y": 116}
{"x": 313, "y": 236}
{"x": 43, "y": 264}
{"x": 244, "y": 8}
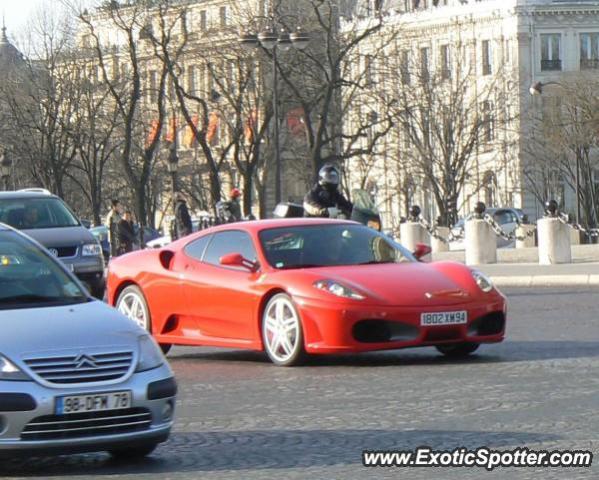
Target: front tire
{"x": 282, "y": 332}
{"x": 458, "y": 350}
{"x": 133, "y": 305}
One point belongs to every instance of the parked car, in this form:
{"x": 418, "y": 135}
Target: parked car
{"x": 51, "y": 222}
{"x": 75, "y": 374}
{"x": 161, "y": 241}
{"x": 508, "y": 218}
{"x": 296, "y": 286}
{"x": 101, "y": 235}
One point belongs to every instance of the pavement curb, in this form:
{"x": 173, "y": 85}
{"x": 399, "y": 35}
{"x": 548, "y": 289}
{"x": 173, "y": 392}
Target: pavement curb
{"x": 545, "y": 280}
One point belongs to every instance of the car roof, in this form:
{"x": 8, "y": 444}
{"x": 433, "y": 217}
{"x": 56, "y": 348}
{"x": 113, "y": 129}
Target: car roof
{"x": 259, "y": 225}
{"x": 21, "y": 195}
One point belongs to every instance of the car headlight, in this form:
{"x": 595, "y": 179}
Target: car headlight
{"x": 91, "y": 250}
{"x": 483, "y": 282}
{"x": 338, "y": 289}
{"x": 9, "y": 371}
{"x": 150, "y": 355}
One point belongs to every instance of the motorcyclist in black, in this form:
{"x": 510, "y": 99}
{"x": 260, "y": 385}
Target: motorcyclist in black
{"x": 325, "y": 200}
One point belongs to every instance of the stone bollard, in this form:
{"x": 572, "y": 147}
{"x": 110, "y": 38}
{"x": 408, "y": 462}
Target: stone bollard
{"x": 480, "y": 239}
{"x": 438, "y": 245}
{"x": 554, "y": 237}
{"x": 524, "y": 231}
{"x": 412, "y": 233}
{"x": 574, "y": 237}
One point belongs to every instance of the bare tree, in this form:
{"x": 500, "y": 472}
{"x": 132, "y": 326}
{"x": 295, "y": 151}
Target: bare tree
{"x": 565, "y": 137}
{"x": 448, "y": 120}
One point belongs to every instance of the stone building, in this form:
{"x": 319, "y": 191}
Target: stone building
{"x": 524, "y": 41}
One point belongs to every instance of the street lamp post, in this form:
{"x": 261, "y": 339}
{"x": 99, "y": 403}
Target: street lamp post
{"x": 5, "y": 169}
{"x": 173, "y": 168}
{"x": 269, "y": 40}
{"x": 536, "y": 89}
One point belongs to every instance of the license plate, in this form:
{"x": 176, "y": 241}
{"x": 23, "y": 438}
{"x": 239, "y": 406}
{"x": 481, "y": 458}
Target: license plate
{"x": 93, "y": 402}
{"x": 443, "y": 318}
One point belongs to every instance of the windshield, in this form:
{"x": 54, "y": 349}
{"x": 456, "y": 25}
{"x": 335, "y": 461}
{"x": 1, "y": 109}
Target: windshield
{"x": 35, "y": 213}
{"x": 30, "y": 278}
{"x": 329, "y": 245}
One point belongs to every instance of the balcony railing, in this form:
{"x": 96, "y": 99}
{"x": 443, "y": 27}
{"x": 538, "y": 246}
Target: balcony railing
{"x": 589, "y": 63}
{"x": 551, "y": 65}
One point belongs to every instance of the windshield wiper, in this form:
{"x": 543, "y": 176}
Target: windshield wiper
{"x": 306, "y": 265}
{"x": 375, "y": 262}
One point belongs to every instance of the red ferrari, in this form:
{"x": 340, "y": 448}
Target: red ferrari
{"x": 304, "y": 286}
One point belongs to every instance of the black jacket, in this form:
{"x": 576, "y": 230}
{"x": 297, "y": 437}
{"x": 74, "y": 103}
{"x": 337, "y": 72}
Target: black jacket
{"x": 126, "y": 235}
{"x": 182, "y": 219}
{"x": 318, "y": 200}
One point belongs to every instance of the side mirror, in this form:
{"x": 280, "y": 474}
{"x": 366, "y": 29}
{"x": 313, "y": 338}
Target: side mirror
{"x": 237, "y": 260}
{"x": 422, "y": 250}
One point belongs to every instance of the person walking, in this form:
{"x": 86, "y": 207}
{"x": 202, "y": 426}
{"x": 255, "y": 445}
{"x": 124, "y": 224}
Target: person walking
{"x": 112, "y": 221}
{"x": 183, "y": 225}
{"x": 126, "y": 233}
{"x": 234, "y": 205}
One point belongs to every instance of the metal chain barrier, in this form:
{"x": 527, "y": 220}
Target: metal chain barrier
{"x": 433, "y": 232}
{"x": 565, "y": 219}
{"x": 508, "y": 236}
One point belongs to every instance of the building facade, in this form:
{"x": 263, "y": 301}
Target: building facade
{"x": 500, "y": 45}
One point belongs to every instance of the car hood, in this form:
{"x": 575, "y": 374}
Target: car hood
{"x": 30, "y": 331}
{"x": 398, "y": 283}
{"x": 61, "y": 237}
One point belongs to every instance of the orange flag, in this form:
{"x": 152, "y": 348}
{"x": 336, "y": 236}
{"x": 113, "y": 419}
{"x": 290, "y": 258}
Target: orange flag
{"x": 213, "y": 127}
{"x": 190, "y": 139}
{"x": 296, "y": 123}
{"x": 172, "y": 130}
{"x": 250, "y": 126}
{"x": 153, "y": 133}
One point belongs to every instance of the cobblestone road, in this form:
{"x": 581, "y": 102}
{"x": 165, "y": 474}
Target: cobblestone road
{"x": 240, "y": 417}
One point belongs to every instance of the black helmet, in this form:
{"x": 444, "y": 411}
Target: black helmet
{"x": 328, "y": 176}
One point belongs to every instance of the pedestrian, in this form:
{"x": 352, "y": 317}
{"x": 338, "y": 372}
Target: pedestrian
{"x": 325, "y": 199}
{"x": 112, "y": 221}
{"x": 126, "y": 233}
{"x": 183, "y": 225}
{"x": 234, "y": 205}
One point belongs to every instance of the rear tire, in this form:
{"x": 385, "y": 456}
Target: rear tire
{"x": 133, "y": 305}
{"x": 133, "y": 453}
{"x": 458, "y": 350}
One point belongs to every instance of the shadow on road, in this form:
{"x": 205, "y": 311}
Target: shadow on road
{"x": 259, "y": 450}
{"x": 506, "y": 352}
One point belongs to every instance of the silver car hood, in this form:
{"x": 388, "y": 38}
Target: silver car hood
{"x": 87, "y": 326}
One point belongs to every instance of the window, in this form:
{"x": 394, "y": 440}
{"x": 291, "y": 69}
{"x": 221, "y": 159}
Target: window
{"x": 191, "y": 78}
{"x": 36, "y": 213}
{"x": 487, "y": 57}
{"x": 196, "y": 248}
{"x": 488, "y": 122}
{"x": 506, "y": 51}
{"x": 230, "y": 242}
{"x": 424, "y": 63}
{"x": 404, "y": 67}
{"x": 589, "y": 51}
{"x": 223, "y": 16}
{"x": 203, "y": 20}
{"x": 445, "y": 60}
{"x": 550, "y": 52}
{"x": 31, "y": 278}
{"x": 153, "y": 93}
{"x": 368, "y": 66}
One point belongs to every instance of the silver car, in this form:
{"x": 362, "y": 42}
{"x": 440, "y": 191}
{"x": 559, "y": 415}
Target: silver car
{"x": 75, "y": 375}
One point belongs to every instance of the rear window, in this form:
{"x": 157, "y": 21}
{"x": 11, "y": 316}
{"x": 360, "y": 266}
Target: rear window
{"x": 36, "y": 213}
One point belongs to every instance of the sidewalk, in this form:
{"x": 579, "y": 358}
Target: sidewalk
{"x": 520, "y": 268}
